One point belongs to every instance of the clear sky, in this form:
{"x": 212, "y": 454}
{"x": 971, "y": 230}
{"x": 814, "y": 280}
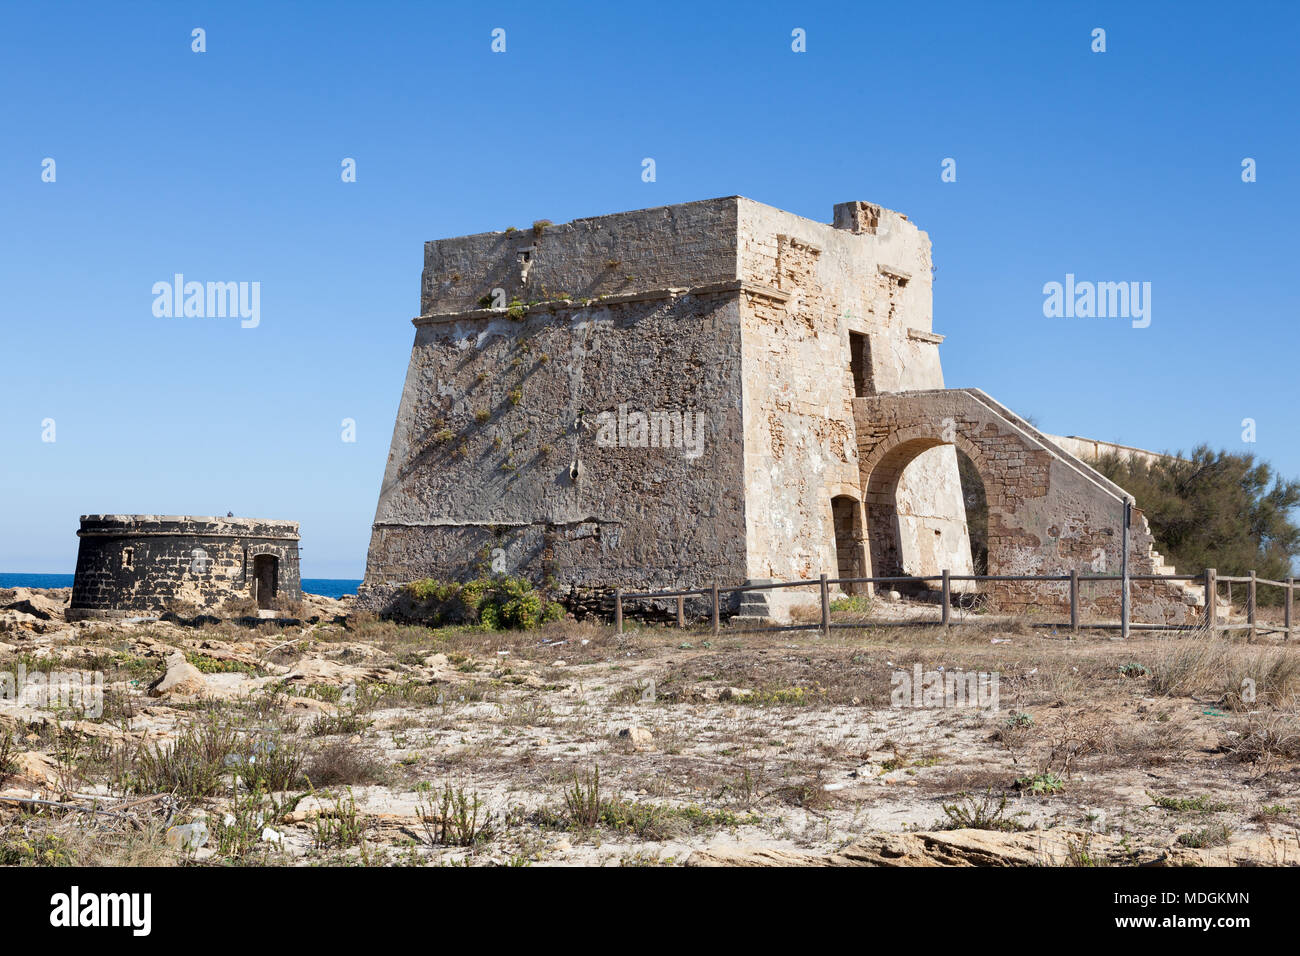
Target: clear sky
{"x": 226, "y": 166}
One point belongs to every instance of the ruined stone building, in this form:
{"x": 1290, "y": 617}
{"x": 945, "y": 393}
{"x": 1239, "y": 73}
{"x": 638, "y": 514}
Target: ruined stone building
{"x": 717, "y": 390}
{"x": 145, "y": 564}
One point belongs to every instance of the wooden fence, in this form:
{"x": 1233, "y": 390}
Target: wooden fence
{"x": 1209, "y": 580}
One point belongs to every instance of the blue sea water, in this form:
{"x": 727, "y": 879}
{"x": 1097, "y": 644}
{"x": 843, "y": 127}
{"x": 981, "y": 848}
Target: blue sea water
{"x": 35, "y": 580}
{"x": 330, "y": 587}
{"x": 326, "y": 587}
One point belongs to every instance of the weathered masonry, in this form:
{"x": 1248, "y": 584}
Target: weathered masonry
{"x": 717, "y": 390}
{"x": 142, "y": 564}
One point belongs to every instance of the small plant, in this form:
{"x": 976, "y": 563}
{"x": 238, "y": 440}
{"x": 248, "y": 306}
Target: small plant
{"x": 980, "y": 814}
{"x": 1133, "y": 669}
{"x": 517, "y": 309}
{"x": 1207, "y": 837}
{"x": 582, "y": 800}
{"x": 853, "y": 604}
{"x": 213, "y": 665}
{"x": 274, "y": 764}
{"x": 341, "y": 827}
{"x": 194, "y": 765}
{"x": 481, "y": 415}
{"x": 1080, "y": 854}
{"x": 454, "y": 818}
{"x": 1018, "y": 720}
{"x": 540, "y": 225}
{"x": 345, "y": 722}
{"x": 516, "y": 395}
{"x": 1199, "y": 804}
{"x": 443, "y": 436}
{"x": 1041, "y": 783}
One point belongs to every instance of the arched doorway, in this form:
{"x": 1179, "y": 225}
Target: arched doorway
{"x": 922, "y": 504}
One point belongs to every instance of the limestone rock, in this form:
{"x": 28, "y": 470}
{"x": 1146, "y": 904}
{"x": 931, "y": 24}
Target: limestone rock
{"x": 750, "y": 854}
{"x": 182, "y": 678}
{"x": 640, "y": 738}
{"x": 1054, "y": 847}
{"x": 34, "y": 769}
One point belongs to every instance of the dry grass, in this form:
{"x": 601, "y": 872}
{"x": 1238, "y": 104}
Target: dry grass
{"x": 342, "y": 763}
{"x": 1227, "y": 672}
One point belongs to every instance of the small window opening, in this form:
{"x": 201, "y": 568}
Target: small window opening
{"x": 860, "y": 362}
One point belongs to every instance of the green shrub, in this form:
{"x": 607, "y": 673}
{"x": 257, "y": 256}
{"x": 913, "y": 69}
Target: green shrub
{"x": 499, "y": 603}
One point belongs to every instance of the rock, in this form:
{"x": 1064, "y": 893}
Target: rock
{"x": 1060, "y": 846}
{"x": 309, "y": 705}
{"x": 893, "y": 597}
{"x": 35, "y": 769}
{"x": 182, "y": 678}
{"x": 640, "y": 738}
{"x": 749, "y": 854}
{"x": 33, "y": 603}
{"x": 189, "y": 836}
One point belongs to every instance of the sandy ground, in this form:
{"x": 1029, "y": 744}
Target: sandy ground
{"x": 386, "y": 744}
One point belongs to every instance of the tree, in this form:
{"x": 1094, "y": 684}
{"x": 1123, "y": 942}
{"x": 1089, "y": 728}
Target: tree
{"x": 1216, "y": 509}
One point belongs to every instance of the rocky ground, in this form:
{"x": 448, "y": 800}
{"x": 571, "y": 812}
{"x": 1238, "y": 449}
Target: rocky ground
{"x": 345, "y": 739}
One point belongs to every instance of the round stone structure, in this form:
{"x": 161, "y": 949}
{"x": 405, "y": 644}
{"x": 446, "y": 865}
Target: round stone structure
{"x": 142, "y": 564}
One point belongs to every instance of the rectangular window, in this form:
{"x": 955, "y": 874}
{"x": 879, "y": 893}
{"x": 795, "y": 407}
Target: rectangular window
{"x": 860, "y": 362}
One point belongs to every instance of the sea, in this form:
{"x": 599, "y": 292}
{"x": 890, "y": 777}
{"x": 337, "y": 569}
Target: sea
{"x": 326, "y": 587}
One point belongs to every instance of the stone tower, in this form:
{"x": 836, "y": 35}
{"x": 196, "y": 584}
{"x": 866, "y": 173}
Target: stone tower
{"x": 663, "y": 398}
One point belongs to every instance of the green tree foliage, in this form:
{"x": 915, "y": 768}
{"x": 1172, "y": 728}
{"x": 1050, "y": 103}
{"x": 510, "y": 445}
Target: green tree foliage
{"x": 499, "y": 603}
{"x": 1216, "y": 509}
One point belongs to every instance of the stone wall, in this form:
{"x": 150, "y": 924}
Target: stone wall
{"x": 519, "y": 448}
{"x": 142, "y": 564}
{"x": 810, "y": 288}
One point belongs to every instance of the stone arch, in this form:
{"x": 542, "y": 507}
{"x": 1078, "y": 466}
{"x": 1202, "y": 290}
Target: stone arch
{"x": 882, "y": 470}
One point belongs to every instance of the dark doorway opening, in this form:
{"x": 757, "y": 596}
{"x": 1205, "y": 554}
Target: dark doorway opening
{"x": 860, "y": 361}
{"x": 847, "y": 515}
{"x": 266, "y": 571}
{"x": 977, "y": 512}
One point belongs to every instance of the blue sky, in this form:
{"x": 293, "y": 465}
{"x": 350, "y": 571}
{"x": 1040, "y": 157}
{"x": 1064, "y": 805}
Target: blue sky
{"x": 225, "y": 165}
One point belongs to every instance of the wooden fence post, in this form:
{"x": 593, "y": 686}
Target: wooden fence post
{"x": 826, "y": 607}
{"x": 1211, "y": 600}
{"x": 618, "y": 610}
{"x": 681, "y": 610}
{"x": 717, "y": 611}
{"x": 1250, "y": 604}
{"x": 947, "y": 598}
{"x": 1074, "y": 601}
{"x": 1290, "y": 596}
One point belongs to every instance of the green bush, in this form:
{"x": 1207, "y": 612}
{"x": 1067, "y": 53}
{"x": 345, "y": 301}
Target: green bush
{"x": 500, "y": 603}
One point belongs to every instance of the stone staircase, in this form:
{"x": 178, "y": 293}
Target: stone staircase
{"x": 1193, "y": 594}
{"x": 1148, "y": 560}
{"x": 754, "y": 609}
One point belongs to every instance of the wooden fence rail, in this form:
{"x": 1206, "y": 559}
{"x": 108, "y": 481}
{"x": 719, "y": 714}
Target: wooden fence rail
{"x": 1209, "y": 580}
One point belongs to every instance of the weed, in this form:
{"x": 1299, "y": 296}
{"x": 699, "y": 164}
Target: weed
{"x": 980, "y": 814}
{"x": 453, "y": 818}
